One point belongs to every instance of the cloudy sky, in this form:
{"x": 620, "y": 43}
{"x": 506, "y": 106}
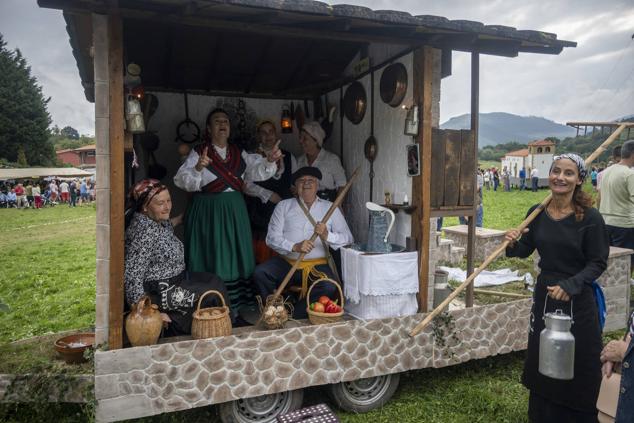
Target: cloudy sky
{"x": 594, "y": 81}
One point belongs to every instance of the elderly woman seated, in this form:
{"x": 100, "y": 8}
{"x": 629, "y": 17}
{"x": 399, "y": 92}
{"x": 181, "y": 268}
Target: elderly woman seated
{"x": 155, "y": 260}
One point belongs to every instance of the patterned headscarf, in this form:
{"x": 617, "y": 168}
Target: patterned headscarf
{"x": 143, "y": 191}
{"x": 577, "y": 159}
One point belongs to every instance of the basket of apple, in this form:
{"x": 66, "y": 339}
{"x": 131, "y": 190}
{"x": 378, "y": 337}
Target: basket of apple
{"x": 325, "y": 310}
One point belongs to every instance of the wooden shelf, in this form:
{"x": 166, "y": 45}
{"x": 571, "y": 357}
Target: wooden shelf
{"x": 407, "y": 208}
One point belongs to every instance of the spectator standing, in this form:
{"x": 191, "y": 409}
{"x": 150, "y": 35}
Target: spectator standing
{"x": 4, "y": 200}
{"x": 72, "y": 188}
{"x": 496, "y": 178}
{"x": 29, "y": 193}
{"x": 522, "y": 178}
{"x": 617, "y": 199}
{"x": 37, "y": 196}
{"x": 65, "y": 191}
{"x": 506, "y": 179}
{"x": 534, "y": 179}
{"x": 616, "y": 157}
{"x": 83, "y": 192}
{"x": 593, "y": 177}
{"x": 20, "y": 194}
{"x": 487, "y": 179}
{"x": 54, "y": 190}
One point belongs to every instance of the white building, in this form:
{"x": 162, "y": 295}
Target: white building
{"x": 539, "y": 154}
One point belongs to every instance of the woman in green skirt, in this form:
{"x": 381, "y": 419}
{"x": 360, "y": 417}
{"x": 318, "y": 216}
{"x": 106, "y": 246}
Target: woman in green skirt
{"x": 217, "y": 230}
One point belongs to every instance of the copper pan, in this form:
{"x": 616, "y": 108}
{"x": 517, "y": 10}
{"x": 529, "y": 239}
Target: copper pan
{"x": 394, "y": 84}
{"x": 355, "y": 102}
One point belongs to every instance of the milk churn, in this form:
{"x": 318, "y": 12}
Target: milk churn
{"x": 379, "y": 228}
{"x": 557, "y": 345}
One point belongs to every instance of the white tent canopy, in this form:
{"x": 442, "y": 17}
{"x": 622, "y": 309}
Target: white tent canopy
{"x": 42, "y": 172}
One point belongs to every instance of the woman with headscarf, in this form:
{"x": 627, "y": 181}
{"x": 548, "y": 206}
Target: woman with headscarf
{"x": 155, "y": 259}
{"x": 572, "y": 242}
{"x": 217, "y": 231}
{"x": 333, "y": 178}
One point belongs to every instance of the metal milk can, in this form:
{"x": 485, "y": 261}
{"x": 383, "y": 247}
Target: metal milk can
{"x": 379, "y": 228}
{"x": 557, "y": 345}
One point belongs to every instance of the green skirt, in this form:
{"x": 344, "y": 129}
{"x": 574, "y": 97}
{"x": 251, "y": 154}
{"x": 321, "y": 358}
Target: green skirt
{"x": 218, "y": 240}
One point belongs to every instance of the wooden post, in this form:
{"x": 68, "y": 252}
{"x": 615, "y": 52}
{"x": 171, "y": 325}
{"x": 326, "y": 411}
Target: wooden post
{"x": 475, "y": 120}
{"x": 117, "y": 195}
{"x": 423, "y": 75}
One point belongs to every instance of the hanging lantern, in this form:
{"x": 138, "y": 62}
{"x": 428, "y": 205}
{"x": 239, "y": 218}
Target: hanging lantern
{"x": 411, "y": 121}
{"x": 287, "y": 122}
{"x": 138, "y": 92}
{"x": 134, "y": 116}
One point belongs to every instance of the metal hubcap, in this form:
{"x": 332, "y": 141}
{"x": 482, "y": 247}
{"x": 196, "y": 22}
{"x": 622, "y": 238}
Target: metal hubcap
{"x": 261, "y": 409}
{"x": 366, "y": 391}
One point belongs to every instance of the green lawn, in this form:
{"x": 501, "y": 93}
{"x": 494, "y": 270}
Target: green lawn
{"x": 47, "y": 279}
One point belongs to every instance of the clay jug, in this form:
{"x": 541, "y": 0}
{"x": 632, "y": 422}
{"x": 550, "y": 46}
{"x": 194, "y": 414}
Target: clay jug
{"x": 143, "y": 325}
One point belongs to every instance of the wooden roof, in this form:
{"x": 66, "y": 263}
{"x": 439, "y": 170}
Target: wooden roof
{"x": 540, "y": 143}
{"x": 41, "y": 172}
{"x": 272, "y": 48}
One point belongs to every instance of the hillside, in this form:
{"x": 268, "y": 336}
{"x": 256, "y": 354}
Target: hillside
{"x": 497, "y": 128}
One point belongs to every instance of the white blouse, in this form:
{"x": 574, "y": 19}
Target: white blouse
{"x": 332, "y": 174}
{"x": 189, "y": 179}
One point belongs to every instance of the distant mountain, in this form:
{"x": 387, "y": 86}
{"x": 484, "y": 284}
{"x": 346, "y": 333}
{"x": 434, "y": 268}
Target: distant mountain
{"x": 498, "y": 128}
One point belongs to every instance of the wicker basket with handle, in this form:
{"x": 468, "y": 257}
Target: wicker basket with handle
{"x": 211, "y": 322}
{"x": 317, "y": 318}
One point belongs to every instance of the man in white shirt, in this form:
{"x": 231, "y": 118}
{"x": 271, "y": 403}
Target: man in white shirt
{"x": 289, "y": 233}
{"x": 65, "y": 190}
{"x": 535, "y": 179}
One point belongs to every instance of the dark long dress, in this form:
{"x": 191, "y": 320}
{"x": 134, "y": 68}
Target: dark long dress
{"x": 572, "y": 255}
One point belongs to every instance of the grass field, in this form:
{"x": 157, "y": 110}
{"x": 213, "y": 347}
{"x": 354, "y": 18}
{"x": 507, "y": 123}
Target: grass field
{"x": 47, "y": 259}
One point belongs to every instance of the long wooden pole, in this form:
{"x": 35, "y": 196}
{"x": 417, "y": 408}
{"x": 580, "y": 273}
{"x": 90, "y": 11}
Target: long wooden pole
{"x": 502, "y": 247}
{"x": 332, "y": 209}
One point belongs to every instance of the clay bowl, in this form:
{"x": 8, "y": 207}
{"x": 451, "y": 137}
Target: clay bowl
{"x": 71, "y": 348}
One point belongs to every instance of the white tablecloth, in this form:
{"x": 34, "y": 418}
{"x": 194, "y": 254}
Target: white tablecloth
{"x": 378, "y": 274}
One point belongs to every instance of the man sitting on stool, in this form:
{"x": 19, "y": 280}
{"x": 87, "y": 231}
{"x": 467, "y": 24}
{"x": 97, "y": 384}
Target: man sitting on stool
{"x": 289, "y": 234}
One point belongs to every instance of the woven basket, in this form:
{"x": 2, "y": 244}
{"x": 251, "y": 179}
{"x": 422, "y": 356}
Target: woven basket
{"x": 211, "y": 322}
{"x": 317, "y": 318}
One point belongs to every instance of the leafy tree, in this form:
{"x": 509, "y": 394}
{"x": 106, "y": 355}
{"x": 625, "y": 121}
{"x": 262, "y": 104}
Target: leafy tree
{"x": 24, "y": 119}
{"x": 69, "y": 132}
{"x": 22, "y": 157}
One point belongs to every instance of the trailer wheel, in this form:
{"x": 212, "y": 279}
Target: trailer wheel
{"x": 262, "y": 409}
{"x": 363, "y": 395}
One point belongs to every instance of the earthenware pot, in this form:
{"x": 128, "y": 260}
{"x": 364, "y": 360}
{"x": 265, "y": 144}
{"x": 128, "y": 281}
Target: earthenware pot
{"x": 143, "y": 325}
{"x": 71, "y": 348}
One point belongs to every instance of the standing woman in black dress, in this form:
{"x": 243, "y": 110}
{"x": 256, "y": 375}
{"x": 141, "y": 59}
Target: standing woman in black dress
{"x": 573, "y": 246}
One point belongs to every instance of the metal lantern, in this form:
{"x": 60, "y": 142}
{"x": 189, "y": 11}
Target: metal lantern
{"x": 287, "y": 122}
{"x": 134, "y": 116}
{"x": 411, "y": 121}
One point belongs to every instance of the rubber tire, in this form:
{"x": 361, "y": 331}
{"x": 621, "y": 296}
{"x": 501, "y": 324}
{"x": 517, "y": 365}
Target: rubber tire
{"x": 340, "y": 397}
{"x": 228, "y": 410}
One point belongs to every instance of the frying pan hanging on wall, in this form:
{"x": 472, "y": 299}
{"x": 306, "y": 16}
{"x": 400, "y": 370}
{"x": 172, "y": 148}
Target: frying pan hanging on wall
{"x": 355, "y": 102}
{"x": 393, "y": 85}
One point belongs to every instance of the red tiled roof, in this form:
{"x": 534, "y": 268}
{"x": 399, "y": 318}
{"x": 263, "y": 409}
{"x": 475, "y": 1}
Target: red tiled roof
{"x": 519, "y": 153}
{"x": 539, "y": 143}
{"x": 87, "y": 147}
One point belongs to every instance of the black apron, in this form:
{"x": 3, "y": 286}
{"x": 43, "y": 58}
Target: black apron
{"x": 582, "y": 391}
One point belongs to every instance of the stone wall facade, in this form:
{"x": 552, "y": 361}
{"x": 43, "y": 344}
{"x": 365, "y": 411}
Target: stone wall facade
{"x": 142, "y": 381}
{"x": 615, "y": 282}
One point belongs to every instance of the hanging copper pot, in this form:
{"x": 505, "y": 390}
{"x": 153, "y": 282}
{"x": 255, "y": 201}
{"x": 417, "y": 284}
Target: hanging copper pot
{"x": 393, "y": 85}
{"x": 355, "y": 102}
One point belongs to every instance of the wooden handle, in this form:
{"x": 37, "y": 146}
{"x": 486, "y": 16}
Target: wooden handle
{"x": 435, "y": 312}
{"x": 144, "y": 302}
{"x": 325, "y": 280}
{"x": 211, "y": 291}
{"x": 332, "y": 209}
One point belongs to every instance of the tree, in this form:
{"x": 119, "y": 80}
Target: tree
{"x": 24, "y": 118}
{"x": 22, "y": 157}
{"x": 69, "y": 132}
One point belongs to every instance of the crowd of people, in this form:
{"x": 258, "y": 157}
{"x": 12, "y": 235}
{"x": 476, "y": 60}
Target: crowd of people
{"x": 39, "y": 193}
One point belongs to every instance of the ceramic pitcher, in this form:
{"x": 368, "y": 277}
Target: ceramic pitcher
{"x": 381, "y": 222}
